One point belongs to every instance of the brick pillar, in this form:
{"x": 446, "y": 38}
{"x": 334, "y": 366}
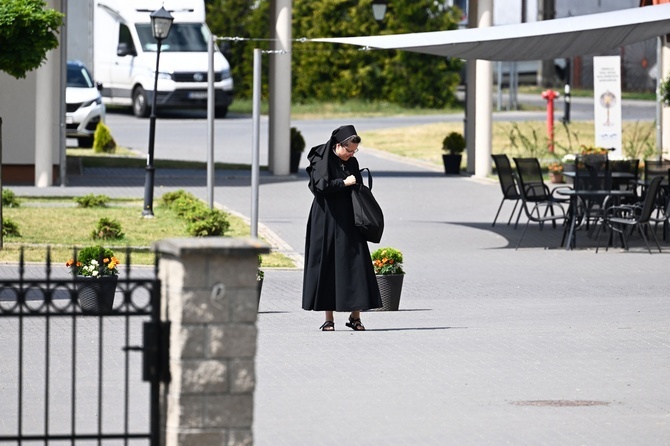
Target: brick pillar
{"x": 209, "y": 295}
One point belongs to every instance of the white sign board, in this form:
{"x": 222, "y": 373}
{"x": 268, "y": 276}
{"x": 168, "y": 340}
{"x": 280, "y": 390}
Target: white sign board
{"x": 607, "y": 102}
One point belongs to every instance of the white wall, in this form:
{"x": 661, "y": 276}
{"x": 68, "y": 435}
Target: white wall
{"x": 79, "y": 18}
{"x": 17, "y": 109}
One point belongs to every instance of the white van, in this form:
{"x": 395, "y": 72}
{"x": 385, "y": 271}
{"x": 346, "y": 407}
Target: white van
{"x": 125, "y": 57}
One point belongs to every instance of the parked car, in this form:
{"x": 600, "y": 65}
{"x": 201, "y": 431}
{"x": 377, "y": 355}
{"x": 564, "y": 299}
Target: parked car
{"x": 84, "y": 107}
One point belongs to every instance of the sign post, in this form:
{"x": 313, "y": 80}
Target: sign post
{"x": 607, "y": 103}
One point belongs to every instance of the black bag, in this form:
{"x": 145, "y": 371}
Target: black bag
{"x": 368, "y": 215}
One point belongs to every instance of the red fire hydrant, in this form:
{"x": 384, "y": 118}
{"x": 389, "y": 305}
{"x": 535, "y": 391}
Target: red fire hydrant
{"x": 549, "y": 96}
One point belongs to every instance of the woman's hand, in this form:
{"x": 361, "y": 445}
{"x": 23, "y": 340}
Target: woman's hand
{"x": 350, "y": 180}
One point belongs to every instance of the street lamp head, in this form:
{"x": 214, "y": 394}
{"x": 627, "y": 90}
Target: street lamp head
{"x": 161, "y": 22}
{"x": 379, "y": 9}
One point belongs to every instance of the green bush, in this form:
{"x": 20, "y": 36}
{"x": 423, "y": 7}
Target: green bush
{"x": 202, "y": 221}
{"x": 207, "y": 223}
{"x": 10, "y": 228}
{"x": 169, "y": 197}
{"x": 107, "y": 230}
{"x": 297, "y": 141}
{"x": 9, "y": 199}
{"x": 92, "y": 201}
{"x": 186, "y": 207}
{"x": 28, "y": 30}
{"x": 453, "y": 143}
{"x": 103, "y": 142}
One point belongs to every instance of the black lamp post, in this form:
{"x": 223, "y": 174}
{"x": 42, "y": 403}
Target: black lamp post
{"x": 379, "y": 9}
{"x": 161, "y": 22}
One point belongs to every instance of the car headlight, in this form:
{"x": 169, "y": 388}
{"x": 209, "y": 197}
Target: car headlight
{"x": 166, "y": 76}
{"x": 225, "y": 74}
{"x": 94, "y": 101}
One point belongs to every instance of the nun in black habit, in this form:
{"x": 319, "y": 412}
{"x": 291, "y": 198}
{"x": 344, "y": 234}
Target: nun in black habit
{"x": 338, "y": 274}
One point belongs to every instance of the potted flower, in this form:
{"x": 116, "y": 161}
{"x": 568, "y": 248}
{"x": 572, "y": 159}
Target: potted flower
{"x": 568, "y": 162}
{"x": 297, "y": 147}
{"x": 387, "y": 264}
{"x": 453, "y": 146}
{"x": 555, "y": 170}
{"x": 96, "y": 274}
{"x": 591, "y": 150}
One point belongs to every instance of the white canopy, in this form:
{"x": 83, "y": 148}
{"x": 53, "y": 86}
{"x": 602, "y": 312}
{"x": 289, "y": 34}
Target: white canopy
{"x": 549, "y": 39}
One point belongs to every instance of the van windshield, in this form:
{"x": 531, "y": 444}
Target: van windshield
{"x": 183, "y": 37}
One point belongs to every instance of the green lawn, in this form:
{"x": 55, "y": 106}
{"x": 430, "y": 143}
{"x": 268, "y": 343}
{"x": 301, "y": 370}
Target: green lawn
{"x": 58, "y": 223}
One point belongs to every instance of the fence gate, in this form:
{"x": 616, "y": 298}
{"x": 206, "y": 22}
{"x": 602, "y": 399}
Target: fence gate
{"x": 72, "y": 373}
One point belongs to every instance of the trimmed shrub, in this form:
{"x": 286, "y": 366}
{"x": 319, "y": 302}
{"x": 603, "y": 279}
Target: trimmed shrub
{"x": 208, "y": 223}
{"x": 202, "y": 221}
{"x": 107, "y": 230}
{"x": 10, "y": 228}
{"x": 186, "y": 207}
{"x": 169, "y": 197}
{"x": 92, "y": 201}
{"x": 9, "y": 199}
{"x": 103, "y": 142}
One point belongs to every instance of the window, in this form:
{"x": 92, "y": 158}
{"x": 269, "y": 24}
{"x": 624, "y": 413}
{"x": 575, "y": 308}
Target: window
{"x": 78, "y": 77}
{"x": 183, "y": 37}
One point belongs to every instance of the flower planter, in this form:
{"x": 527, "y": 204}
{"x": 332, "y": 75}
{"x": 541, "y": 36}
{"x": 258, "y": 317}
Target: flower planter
{"x": 390, "y": 288}
{"x": 556, "y": 177}
{"x": 96, "y": 294}
{"x": 452, "y": 164}
{"x": 295, "y": 161}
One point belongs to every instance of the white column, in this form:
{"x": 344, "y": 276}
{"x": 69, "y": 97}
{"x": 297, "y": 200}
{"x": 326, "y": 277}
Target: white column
{"x": 470, "y": 93}
{"x": 483, "y": 98}
{"x": 47, "y": 114}
{"x": 664, "y": 71}
{"x": 280, "y": 90}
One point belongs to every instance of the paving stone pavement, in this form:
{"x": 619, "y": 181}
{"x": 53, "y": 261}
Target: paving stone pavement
{"x": 491, "y": 345}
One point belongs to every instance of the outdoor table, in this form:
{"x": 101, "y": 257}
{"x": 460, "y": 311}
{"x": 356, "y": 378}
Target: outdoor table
{"x": 615, "y": 175}
{"x": 574, "y": 195}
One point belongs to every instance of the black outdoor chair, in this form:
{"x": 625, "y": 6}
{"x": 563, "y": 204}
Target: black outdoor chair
{"x": 624, "y": 219}
{"x": 530, "y": 172}
{"x": 662, "y": 209}
{"x": 631, "y": 167}
{"x": 508, "y": 186}
{"x": 654, "y": 168}
{"x": 592, "y": 174}
{"x": 536, "y": 196}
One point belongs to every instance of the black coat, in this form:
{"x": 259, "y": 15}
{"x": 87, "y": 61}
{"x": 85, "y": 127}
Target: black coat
{"x": 338, "y": 272}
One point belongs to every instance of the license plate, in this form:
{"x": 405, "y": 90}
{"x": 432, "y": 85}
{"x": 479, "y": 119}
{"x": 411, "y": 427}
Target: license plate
{"x": 197, "y": 95}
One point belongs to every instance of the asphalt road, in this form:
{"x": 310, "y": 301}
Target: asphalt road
{"x": 184, "y": 136}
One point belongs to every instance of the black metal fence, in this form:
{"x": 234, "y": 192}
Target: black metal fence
{"x": 73, "y": 375}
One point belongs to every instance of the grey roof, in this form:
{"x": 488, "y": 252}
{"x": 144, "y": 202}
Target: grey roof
{"x": 549, "y": 39}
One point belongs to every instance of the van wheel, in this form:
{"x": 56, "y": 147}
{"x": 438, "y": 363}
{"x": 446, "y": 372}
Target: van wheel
{"x": 220, "y": 112}
{"x": 140, "y": 106}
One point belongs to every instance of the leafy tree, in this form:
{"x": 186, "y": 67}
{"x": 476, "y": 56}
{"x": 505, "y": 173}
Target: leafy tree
{"x": 27, "y": 31}
{"x": 246, "y": 19}
{"x": 327, "y": 71}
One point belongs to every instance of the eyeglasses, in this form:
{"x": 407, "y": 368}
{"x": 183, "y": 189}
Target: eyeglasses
{"x": 351, "y": 152}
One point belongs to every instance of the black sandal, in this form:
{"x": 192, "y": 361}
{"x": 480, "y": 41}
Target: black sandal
{"x": 355, "y": 324}
{"x": 328, "y": 326}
